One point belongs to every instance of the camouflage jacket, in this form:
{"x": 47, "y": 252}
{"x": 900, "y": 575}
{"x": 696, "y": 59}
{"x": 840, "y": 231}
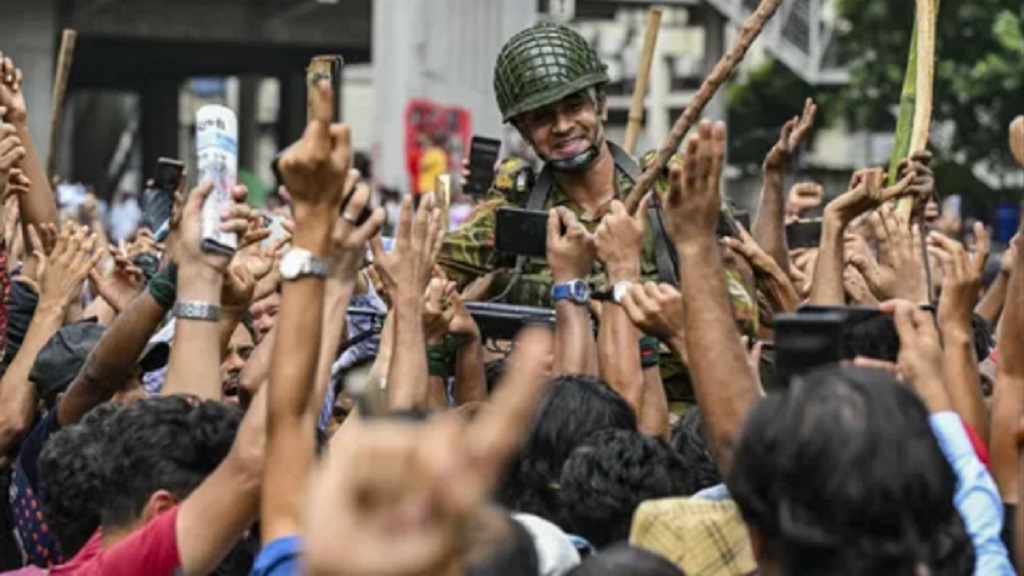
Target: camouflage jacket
{"x": 468, "y": 252}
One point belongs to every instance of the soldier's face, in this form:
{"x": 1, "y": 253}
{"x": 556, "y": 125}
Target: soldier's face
{"x": 563, "y": 129}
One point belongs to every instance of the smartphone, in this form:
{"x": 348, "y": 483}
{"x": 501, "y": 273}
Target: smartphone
{"x": 329, "y": 67}
{"x": 158, "y": 201}
{"x": 483, "y": 155}
{"x": 743, "y": 217}
{"x": 803, "y": 234}
{"x": 806, "y": 341}
{"x": 217, "y": 155}
{"x": 521, "y": 232}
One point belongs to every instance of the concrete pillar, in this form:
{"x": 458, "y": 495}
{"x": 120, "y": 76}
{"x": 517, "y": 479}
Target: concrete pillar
{"x": 440, "y": 50}
{"x": 248, "y": 120}
{"x": 159, "y": 124}
{"x": 29, "y": 34}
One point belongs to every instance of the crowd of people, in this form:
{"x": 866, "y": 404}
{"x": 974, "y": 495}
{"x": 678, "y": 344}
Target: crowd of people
{"x": 328, "y": 401}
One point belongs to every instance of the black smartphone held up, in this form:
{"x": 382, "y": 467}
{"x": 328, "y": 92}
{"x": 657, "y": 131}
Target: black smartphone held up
{"x": 483, "y": 155}
{"x": 805, "y": 341}
{"x": 804, "y": 234}
{"x": 521, "y": 232}
{"x": 158, "y": 201}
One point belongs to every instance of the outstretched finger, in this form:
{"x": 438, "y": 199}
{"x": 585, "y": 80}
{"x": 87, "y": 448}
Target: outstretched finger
{"x": 982, "y": 248}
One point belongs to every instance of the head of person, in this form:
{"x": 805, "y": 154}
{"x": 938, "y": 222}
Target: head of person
{"x": 576, "y": 407}
{"x": 606, "y": 478}
{"x": 840, "y": 473}
{"x": 71, "y": 478}
{"x": 498, "y": 545}
{"x": 65, "y": 353}
{"x": 264, "y": 312}
{"x": 157, "y": 451}
{"x": 690, "y": 442}
{"x": 623, "y": 560}
{"x": 240, "y": 347}
{"x": 549, "y": 83}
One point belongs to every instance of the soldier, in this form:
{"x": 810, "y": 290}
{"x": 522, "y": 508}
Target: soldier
{"x": 549, "y": 84}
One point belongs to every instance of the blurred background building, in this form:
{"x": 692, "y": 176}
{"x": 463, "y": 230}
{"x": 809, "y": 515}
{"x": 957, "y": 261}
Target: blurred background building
{"x": 142, "y": 68}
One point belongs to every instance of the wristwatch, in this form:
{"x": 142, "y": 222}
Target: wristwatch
{"x": 298, "y": 263}
{"x": 576, "y": 291}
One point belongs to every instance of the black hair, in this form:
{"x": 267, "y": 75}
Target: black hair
{"x": 840, "y": 473}
{"x": 361, "y": 161}
{"x": 71, "y": 481}
{"x": 517, "y": 555}
{"x": 576, "y": 407}
{"x": 690, "y": 442}
{"x": 162, "y": 443}
{"x": 625, "y": 560}
{"x": 606, "y": 478}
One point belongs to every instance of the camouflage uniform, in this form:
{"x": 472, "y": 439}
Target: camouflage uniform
{"x": 468, "y": 253}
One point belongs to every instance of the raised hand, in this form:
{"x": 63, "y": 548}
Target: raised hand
{"x": 61, "y": 272}
{"x": 437, "y": 311}
{"x": 407, "y": 268}
{"x": 349, "y": 239}
{"x": 856, "y": 288}
{"x": 11, "y": 150}
{"x": 235, "y": 218}
{"x": 656, "y": 309}
{"x": 899, "y": 272}
{"x": 920, "y": 357}
{"x": 120, "y": 284}
{"x": 236, "y": 293}
{"x": 961, "y": 277}
{"x": 867, "y": 192}
{"x": 11, "y": 96}
{"x": 442, "y": 472}
{"x": 315, "y": 168}
{"x": 571, "y": 253}
{"x": 619, "y": 239}
{"x": 694, "y": 199}
{"x": 922, "y": 184}
{"x": 794, "y": 132}
{"x": 779, "y": 287}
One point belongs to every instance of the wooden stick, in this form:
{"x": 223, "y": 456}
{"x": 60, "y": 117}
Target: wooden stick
{"x": 60, "y": 87}
{"x": 927, "y": 11}
{"x": 751, "y": 30}
{"x": 443, "y": 197}
{"x": 636, "y": 107}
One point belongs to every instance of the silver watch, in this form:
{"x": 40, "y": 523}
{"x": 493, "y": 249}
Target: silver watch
{"x": 298, "y": 263}
{"x": 189, "y": 310}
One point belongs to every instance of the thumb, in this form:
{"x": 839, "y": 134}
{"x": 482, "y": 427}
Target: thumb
{"x": 641, "y": 213}
{"x": 198, "y": 196}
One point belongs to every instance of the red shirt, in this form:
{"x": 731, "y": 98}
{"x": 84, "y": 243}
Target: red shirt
{"x": 151, "y": 550}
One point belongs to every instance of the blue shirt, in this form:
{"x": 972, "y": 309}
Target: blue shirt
{"x": 279, "y": 558}
{"x": 977, "y": 498}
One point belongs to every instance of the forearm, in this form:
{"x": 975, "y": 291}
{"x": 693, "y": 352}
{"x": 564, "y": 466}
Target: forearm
{"x": 194, "y": 367}
{"x": 991, "y": 305}
{"x": 470, "y": 374}
{"x": 113, "y": 359}
{"x": 725, "y": 388}
{"x": 17, "y": 396}
{"x": 38, "y": 206}
{"x": 575, "y": 350}
{"x": 256, "y": 371}
{"x": 1008, "y": 398}
{"x": 408, "y": 375}
{"x": 827, "y": 286}
{"x": 962, "y": 378}
{"x": 619, "y": 357}
{"x": 769, "y": 227}
{"x": 654, "y": 416}
{"x": 229, "y": 321}
{"x": 337, "y": 295}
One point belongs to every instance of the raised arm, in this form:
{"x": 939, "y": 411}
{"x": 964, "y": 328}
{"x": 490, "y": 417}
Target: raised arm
{"x": 1008, "y": 396}
{"x": 60, "y": 276}
{"x": 315, "y": 171}
{"x": 198, "y": 307}
{"x": 867, "y": 192}
{"x": 961, "y": 282}
{"x": 38, "y": 206}
{"x": 570, "y": 255}
{"x": 724, "y": 385}
{"x": 769, "y": 227}
{"x": 618, "y": 239}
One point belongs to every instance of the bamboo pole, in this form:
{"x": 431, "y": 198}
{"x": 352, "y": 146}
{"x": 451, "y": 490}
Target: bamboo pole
{"x": 443, "y": 197}
{"x": 922, "y": 74}
{"x": 60, "y": 86}
{"x": 751, "y": 30}
{"x": 636, "y": 106}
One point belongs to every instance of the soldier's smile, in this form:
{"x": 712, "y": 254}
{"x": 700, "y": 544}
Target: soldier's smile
{"x": 570, "y": 146}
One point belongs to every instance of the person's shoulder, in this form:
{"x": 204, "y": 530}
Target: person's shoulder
{"x": 513, "y": 180}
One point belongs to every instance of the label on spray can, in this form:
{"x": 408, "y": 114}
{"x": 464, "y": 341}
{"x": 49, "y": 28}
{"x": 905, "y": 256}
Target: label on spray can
{"x": 217, "y": 155}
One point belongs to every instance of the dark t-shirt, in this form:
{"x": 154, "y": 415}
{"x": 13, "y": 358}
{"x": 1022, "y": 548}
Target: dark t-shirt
{"x": 37, "y": 541}
{"x": 21, "y": 306}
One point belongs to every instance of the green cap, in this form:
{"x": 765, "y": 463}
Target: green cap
{"x": 543, "y": 64}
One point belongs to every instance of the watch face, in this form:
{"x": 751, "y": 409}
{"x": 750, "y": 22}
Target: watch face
{"x": 578, "y": 291}
{"x": 291, "y": 265}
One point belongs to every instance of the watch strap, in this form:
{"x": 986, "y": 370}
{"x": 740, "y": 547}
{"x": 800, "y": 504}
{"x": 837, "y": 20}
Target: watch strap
{"x": 192, "y": 310}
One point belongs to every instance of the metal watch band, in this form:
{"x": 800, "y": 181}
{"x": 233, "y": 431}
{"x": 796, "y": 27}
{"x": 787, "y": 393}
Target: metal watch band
{"x": 187, "y": 310}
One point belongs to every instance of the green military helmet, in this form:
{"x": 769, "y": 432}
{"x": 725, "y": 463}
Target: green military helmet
{"x": 543, "y": 64}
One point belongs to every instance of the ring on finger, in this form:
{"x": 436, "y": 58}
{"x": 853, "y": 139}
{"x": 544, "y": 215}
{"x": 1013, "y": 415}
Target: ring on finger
{"x": 349, "y": 218}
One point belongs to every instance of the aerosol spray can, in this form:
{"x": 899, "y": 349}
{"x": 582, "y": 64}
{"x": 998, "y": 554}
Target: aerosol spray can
{"x": 217, "y": 155}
